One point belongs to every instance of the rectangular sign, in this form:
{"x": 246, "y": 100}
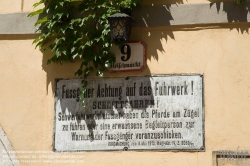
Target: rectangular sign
{"x": 130, "y": 57}
{"x": 162, "y": 112}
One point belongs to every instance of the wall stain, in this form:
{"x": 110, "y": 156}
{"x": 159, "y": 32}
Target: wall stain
{"x": 22, "y": 2}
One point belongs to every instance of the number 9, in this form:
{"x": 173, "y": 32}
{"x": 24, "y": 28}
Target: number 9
{"x": 128, "y": 52}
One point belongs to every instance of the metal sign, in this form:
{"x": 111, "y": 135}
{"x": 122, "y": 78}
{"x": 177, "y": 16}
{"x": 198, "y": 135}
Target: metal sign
{"x": 130, "y": 57}
{"x": 163, "y": 112}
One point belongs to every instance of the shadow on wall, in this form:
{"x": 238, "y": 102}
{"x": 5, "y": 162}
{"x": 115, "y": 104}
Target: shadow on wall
{"x": 152, "y": 3}
{"x": 122, "y": 107}
{"x": 235, "y": 12}
{"x": 120, "y": 99}
{"x": 148, "y": 19}
{"x": 192, "y": 14}
{"x": 90, "y": 114}
{"x": 167, "y": 17}
{"x": 154, "y": 41}
{"x": 155, "y": 38}
{"x": 56, "y": 70}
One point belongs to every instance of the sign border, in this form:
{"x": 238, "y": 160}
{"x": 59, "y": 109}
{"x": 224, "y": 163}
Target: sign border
{"x": 202, "y": 149}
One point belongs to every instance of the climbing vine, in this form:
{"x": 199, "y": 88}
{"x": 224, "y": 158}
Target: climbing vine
{"x": 79, "y": 30}
{"x": 241, "y": 1}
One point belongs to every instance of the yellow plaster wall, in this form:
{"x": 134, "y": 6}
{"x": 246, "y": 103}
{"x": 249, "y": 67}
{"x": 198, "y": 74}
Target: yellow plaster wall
{"x": 164, "y": 2}
{"x": 17, "y": 6}
{"x": 220, "y": 53}
{"x": 10, "y": 6}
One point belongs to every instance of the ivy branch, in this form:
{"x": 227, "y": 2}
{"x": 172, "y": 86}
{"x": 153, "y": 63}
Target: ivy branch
{"x": 79, "y": 30}
{"x": 241, "y": 1}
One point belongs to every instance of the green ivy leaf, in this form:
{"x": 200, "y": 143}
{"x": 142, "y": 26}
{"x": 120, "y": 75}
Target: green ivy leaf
{"x": 85, "y": 34}
{"x": 40, "y": 11}
{"x": 44, "y": 19}
{"x": 38, "y": 3}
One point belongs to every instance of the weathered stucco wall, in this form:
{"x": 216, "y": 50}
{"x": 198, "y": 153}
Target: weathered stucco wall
{"x": 220, "y": 52}
{"x": 17, "y": 6}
